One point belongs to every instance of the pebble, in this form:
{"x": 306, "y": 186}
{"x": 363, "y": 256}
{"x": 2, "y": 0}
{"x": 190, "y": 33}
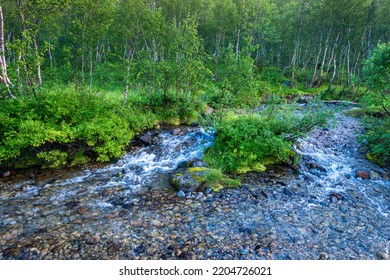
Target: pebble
{"x": 181, "y": 194}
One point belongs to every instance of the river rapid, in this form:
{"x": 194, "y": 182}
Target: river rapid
{"x": 128, "y": 210}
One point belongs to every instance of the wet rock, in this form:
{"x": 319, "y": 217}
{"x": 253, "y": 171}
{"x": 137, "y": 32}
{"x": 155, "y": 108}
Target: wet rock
{"x": 323, "y": 256}
{"x": 189, "y": 180}
{"x": 336, "y": 197}
{"x": 147, "y": 139}
{"x": 313, "y": 165}
{"x": 363, "y": 174}
{"x": 383, "y": 256}
{"x": 196, "y": 163}
{"x": 176, "y": 131}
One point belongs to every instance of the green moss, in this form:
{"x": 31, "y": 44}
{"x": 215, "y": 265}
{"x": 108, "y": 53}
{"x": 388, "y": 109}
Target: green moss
{"x": 175, "y": 182}
{"x": 216, "y": 180}
{"x": 197, "y": 169}
{"x": 178, "y": 174}
{"x": 198, "y": 178}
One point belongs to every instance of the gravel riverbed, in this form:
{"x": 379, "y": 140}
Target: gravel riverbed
{"x": 322, "y": 210}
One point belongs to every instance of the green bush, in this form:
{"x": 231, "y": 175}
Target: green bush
{"x": 250, "y": 142}
{"x": 376, "y": 103}
{"x": 52, "y": 129}
{"x": 377, "y": 140}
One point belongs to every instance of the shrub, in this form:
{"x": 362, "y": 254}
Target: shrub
{"x": 57, "y": 127}
{"x": 377, "y": 140}
{"x": 250, "y": 142}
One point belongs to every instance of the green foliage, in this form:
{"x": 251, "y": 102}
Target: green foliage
{"x": 376, "y": 102}
{"x": 216, "y": 180}
{"x": 56, "y": 126}
{"x": 377, "y": 69}
{"x": 250, "y": 142}
{"x": 377, "y": 140}
{"x": 53, "y": 159}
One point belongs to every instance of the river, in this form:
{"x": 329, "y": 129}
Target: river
{"x": 128, "y": 210}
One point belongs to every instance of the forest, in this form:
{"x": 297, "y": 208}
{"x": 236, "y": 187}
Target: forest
{"x": 81, "y": 78}
{"x": 195, "y": 130}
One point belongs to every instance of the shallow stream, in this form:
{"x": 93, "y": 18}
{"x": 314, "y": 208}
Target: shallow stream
{"x": 128, "y": 210}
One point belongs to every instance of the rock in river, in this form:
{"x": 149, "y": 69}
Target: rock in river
{"x": 363, "y": 174}
{"x": 189, "y": 179}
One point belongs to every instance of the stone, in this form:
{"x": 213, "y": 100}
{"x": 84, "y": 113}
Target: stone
{"x": 363, "y": 174}
{"x": 336, "y": 196}
{"x": 196, "y": 163}
{"x": 383, "y": 256}
{"x": 146, "y": 139}
{"x": 156, "y": 223}
{"x": 189, "y": 180}
{"x": 199, "y": 196}
{"x": 176, "y": 131}
{"x": 313, "y": 165}
{"x": 181, "y": 194}
{"x": 92, "y": 240}
{"x": 323, "y": 256}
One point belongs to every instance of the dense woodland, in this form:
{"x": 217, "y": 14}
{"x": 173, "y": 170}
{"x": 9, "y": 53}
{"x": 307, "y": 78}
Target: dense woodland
{"x": 80, "y": 78}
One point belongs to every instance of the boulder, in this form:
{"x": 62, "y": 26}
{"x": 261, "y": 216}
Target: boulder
{"x": 363, "y": 174}
{"x": 147, "y": 139}
{"x": 189, "y": 179}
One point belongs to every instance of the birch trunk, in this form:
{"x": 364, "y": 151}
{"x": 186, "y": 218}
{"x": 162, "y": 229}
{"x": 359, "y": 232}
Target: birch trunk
{"x": 313, "y": 78}
{"x": 38, "y": 62}
{"x": 3, "y": 63}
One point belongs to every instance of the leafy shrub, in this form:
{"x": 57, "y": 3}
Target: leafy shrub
{"x": 250, "y": 142}
{"x": 55, "y": 127}
{"x": 376, "y": 103}
{"x": 377, "y": 140}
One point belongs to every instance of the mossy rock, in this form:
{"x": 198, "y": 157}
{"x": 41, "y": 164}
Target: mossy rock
{"x": 190, "y": 179}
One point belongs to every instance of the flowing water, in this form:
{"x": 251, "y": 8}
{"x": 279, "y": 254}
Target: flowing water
{"x": 128, "y": 210}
